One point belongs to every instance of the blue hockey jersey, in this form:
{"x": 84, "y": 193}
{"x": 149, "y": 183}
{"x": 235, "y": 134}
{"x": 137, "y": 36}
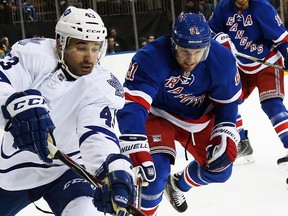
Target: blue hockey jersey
{"x": 155, "y": 83}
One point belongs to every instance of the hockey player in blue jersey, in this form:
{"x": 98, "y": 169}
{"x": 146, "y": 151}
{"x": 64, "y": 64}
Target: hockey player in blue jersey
{"x": 181, "y": 87}
{"x": 55, "y": 87}
{"x": 256, "y": 30}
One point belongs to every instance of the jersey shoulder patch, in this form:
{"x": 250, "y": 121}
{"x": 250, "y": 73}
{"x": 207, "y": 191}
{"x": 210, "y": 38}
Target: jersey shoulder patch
{"x": 114, "y": 82}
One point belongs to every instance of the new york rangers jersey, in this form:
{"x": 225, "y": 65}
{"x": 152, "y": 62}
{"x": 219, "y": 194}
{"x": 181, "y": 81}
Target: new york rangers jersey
{"x": 254, "y": 31}
{"x": 82, "y": 110}
{"x": 155, "y": 83}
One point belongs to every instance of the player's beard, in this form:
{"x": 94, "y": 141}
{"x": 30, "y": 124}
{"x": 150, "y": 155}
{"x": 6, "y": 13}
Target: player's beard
{"x": 86, "y": 67}
{"x": 242, "y": 4}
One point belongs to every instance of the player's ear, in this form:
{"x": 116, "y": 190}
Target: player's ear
{"x": 58, "y": 44}
{"x": 58, "y": 47}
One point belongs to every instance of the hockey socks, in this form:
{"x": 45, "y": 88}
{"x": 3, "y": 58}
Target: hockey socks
{"x": 153, "y": 194}
{"x": 277, "y": 113}
{"x": 195, "y": 175}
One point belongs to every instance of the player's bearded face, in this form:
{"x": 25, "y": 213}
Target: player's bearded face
{"x": 80, "y": 56}
{"x": 188, "y": 58}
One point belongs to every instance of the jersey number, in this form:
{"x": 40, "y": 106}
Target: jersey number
{"x": 109, "y": 118}
{"x": 132, "y": 70}
{"x": 7, "y": 62}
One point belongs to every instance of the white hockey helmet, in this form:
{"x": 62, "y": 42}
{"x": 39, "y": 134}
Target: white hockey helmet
{"x": 83, "y": 24}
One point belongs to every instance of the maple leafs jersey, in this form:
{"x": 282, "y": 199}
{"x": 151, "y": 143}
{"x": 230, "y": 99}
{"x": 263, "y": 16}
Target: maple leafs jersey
{"x": 155, "y": 83}
{"x": 254, "y": 31}
{"x": 83, "y": 112}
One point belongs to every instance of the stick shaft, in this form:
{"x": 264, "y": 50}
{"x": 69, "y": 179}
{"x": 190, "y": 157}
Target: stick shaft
{"x": 139, "y": 183}
{"x": 77, "y": 168}
{"x": 139, "y": 192}
{"x": 261, "y": 61}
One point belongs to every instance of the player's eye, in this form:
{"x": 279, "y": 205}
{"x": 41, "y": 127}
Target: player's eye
{"x": 96, "y": 49}
{"x": 185, "y": 52}
{"x": 81, "y": 48}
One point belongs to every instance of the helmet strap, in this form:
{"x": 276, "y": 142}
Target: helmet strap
{"x": 67, "y": 72}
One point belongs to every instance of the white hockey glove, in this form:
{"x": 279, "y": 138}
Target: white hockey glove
{"x": 223, "y": 148}
{"x": 118, "y": 189}
{"x": 137, "y": 147}
{"x": 225, "y": 40}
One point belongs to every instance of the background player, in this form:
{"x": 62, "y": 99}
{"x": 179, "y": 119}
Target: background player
{"x": 182, "y": 87}
{"x": 62, "y": 76}
{"x": 256, "y": 30}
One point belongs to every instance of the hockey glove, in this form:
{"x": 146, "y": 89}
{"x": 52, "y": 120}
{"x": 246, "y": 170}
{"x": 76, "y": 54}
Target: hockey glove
{"x": 225, "y": 40}
{"x": 118, "y": 189}
{"x": 222, "y": 151}
{"x": 283, "y": 48}
{"x": 29, "y": 122}
{"x": 137, "y": 147}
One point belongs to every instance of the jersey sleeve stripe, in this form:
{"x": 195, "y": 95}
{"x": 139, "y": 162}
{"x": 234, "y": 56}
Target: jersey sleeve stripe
{"x": 4, "y": 78}
{"x": 130, "y": 98}
{"x": 139, "y": 97}
{"x": 282, "y": 38}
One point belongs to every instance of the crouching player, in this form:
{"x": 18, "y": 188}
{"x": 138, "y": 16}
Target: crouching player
{"x": 181, "y": 87}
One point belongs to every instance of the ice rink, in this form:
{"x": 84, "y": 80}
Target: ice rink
{"x": 257, "y": 189}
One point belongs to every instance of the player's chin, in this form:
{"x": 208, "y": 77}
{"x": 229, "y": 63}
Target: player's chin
{"x": 187, "y": 67}
{"x": 85, "y": 71}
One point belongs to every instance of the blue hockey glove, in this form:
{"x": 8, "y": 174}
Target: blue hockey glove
{"x": 283, "y": 48}
{"x": 29, "y": 122}
{"x": 118, "y": 189}
{"x": 137, "y": 147}
{"x": 223, "y": 148}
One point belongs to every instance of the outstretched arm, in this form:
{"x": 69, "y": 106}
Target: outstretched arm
{"x": 97, "y": 182}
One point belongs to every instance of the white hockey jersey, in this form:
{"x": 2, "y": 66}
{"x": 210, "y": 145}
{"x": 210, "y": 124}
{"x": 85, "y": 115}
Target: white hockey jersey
{"x": 83, "y": 112}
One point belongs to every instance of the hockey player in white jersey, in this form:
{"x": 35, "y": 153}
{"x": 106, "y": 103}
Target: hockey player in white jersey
{"x": 55, "y": 87}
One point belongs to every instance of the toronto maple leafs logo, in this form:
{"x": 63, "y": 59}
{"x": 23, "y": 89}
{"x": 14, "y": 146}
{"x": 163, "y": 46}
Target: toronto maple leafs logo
{"x": 67, "y": 11}
{"x": 31, "y": 40}
{"x": 114, "y": 82}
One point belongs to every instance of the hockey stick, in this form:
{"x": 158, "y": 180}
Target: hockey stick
{"x": 261, "y": 61}
{"x": 77, "y": 168}
{"x": 139, "y": 183}
{"x": 139, "y": 191}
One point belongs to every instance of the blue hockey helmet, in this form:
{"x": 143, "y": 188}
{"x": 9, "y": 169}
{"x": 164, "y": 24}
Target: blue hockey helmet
{"x": 191, "y": 31}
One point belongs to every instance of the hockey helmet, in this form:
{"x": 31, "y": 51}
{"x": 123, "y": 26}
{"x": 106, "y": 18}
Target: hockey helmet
{"x": 83, "y": 24}
{"x": 191, "y": 31}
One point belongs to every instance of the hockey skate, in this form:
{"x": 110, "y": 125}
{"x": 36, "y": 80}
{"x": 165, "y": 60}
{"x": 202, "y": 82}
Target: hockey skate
{"x": 245, "y": 151}
{"x": 174, "y": 195}
{"x": 283, "y": 162}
